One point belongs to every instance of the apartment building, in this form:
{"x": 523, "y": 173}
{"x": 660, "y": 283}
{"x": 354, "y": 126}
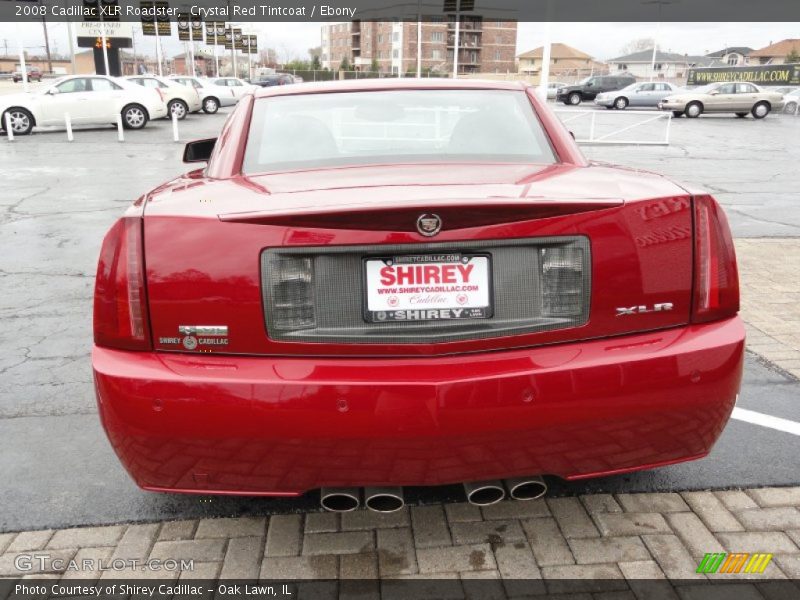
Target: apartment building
{"x": 484, "y": 46}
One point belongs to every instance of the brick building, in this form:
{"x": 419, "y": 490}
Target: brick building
{"x": 485, "y": 46}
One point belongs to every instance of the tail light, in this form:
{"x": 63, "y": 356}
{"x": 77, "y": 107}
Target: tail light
{"x": 291, "y": 292}
{"x": 562, "y": 281}
{"x": 716, "y": 280}
{"x": 120, "y": 299}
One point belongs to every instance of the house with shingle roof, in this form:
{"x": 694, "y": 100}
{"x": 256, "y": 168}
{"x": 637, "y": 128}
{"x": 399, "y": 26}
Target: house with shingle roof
{"x": 566, "y": 62}
{"x": 732, "y": 56}
{"x": 668, "y": 65}
{"x": 780, "y": 53}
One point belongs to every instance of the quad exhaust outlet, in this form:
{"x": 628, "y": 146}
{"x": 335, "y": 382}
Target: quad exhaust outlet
{"x": 484, "y": 493}
{"x": 384, "y": 499}
{"x": 526, "y": 488}
{"x": 339, "y": 499}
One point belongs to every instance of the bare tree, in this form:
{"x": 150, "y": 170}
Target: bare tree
{"x": 638, "y": 45}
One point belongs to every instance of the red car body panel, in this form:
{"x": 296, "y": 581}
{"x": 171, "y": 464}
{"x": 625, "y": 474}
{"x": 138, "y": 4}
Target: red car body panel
{"x": 285, "y": 425}
{"x": 270, "y": 417}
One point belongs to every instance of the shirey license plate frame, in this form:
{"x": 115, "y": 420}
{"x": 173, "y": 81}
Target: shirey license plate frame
{"x": 440, "y": 313}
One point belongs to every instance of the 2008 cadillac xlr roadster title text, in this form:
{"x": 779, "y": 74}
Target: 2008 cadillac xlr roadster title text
{"x": 410, "y": 283}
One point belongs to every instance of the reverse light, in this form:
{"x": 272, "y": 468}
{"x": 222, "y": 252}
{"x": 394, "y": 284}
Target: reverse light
{"x": 120, "y": 300}
{"x": 562, "y": 281}
{"x": 716, "y": 279}
{"x": 291, "y": 290}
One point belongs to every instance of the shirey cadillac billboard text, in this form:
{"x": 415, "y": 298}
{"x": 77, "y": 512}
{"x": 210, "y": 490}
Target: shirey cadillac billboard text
{"x": 762, "y": 75}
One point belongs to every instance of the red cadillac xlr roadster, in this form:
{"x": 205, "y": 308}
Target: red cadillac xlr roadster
{"x": 405, "y": 283}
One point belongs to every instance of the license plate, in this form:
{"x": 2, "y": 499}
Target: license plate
{"x": 428, "y": 287}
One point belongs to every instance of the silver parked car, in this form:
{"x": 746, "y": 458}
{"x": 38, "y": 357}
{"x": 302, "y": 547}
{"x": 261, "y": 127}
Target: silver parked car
{"x": 739, "y": 98}
{"x": 791, "y": 102}
{"x": 636, "y": 95}
{"x": 553, "y": 87}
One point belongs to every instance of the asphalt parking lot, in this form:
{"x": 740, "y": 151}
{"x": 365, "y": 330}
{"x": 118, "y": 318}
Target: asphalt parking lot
{"x": 58, "y": 198}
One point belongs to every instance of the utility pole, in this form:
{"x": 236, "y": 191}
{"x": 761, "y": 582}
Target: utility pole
{"x": 46, "y": 40}
{"x": 455, "y": 45}
{"x": 71, "y": 37}
{"x": 103, "y": 41}
{"x": 419, "y": 40}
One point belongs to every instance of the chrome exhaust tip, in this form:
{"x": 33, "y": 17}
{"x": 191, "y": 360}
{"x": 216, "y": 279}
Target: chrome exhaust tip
{"x": 526, "y": 488}
{"x": 384, "y": 499}
{"x": 484, "y": 493}
{"x": 339, "y": 499}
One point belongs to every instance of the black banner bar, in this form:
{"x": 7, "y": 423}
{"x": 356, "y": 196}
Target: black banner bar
{"x": 711, "y": 11}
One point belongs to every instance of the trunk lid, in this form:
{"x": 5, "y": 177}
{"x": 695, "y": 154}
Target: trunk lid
{"x": 239, "y": 255}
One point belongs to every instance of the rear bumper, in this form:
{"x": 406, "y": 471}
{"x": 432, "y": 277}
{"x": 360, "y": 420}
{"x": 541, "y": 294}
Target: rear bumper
{"x": 281, "y": 426}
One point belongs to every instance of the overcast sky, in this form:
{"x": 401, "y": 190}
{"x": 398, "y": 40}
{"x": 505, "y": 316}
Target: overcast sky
{"x": 601, "y": 40}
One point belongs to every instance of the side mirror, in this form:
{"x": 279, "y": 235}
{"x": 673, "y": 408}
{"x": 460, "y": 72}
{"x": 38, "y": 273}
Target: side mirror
{"x": 713, "y": 92}
{"x": 589, "y": 84}
{"x": 52, "y": 91}
{"x": 199, "y": 150}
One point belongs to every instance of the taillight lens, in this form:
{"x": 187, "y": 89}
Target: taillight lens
{"x": 562, "y": 281}
{"x": 290, "y": 291}
{"x": 716, "y": 279}
{"x": 120, "y": 300}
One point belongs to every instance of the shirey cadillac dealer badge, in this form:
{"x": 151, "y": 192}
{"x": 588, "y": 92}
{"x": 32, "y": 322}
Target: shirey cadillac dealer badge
{"x": 198, "y": 337}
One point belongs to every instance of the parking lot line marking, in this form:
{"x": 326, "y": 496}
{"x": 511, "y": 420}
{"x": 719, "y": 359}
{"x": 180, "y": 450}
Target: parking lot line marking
{"x": 757, "y": 418}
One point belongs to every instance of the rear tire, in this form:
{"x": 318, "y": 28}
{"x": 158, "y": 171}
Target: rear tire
{"x": 179, "y": 108}
{"x": 134, "y": 116}
{"x": 741, "y": 115}
{"x": 693, "y": 110}
{"x": 760, "y": 110}
{"x": 574, "y": 99}
{"x": 790, "y": 108}
{"x": 621, "y": 103}
{"x": 210, "y": 105}
{"x": 21, "y": 121}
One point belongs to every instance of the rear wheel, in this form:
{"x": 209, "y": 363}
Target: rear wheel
{"x": 179, "y": 109}
{"x": 134, "y": 116}
{"x": 210, "y": 105}
{"x": 621, "y": 103}
{"x": 790, "y": 108}
{"x": 694, "y": 110}
{"x": 741, "y": 115}
{"x": 21, "y": 121}
{"x": 574, "y": 98}
{"x": 760, "y": 110}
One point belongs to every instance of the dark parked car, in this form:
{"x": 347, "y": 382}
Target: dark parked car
{"x": 591, "y": 86}
{"x": 34, "y": 74}
{"x": 276, "y": 79}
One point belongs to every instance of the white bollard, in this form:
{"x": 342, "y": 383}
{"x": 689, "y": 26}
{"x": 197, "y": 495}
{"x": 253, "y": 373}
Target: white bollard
{"x": 68, "y": 123}
{"x": 9, "y": 129}
{"x": 120, "y": 134}
{"x": 175, "y": 129}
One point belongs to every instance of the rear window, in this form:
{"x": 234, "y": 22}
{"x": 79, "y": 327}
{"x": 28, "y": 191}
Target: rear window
{"x": 402, "y": 126}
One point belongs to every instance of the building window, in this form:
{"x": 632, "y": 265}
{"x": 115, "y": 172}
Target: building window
{"x": 396, "y": 36}
{"x": 437, "y": 19}
{"x": 436, "y": 55}
{"x": 498, "y": 39}
{"x": 437, "y": 36}
{"x": 733, "y": 59}
{"x": 395, "y": 53}
{"x": 497, "y": 55}
{"x": 658, "y": 66}
{"x": 622, "y": 67}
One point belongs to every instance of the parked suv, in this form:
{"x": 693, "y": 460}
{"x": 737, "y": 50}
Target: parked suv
{"x": 591, "y": 86}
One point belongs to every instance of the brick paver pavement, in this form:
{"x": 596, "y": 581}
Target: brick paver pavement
{"x": 770, "y": 291}
{"x": 630, "y": 536}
